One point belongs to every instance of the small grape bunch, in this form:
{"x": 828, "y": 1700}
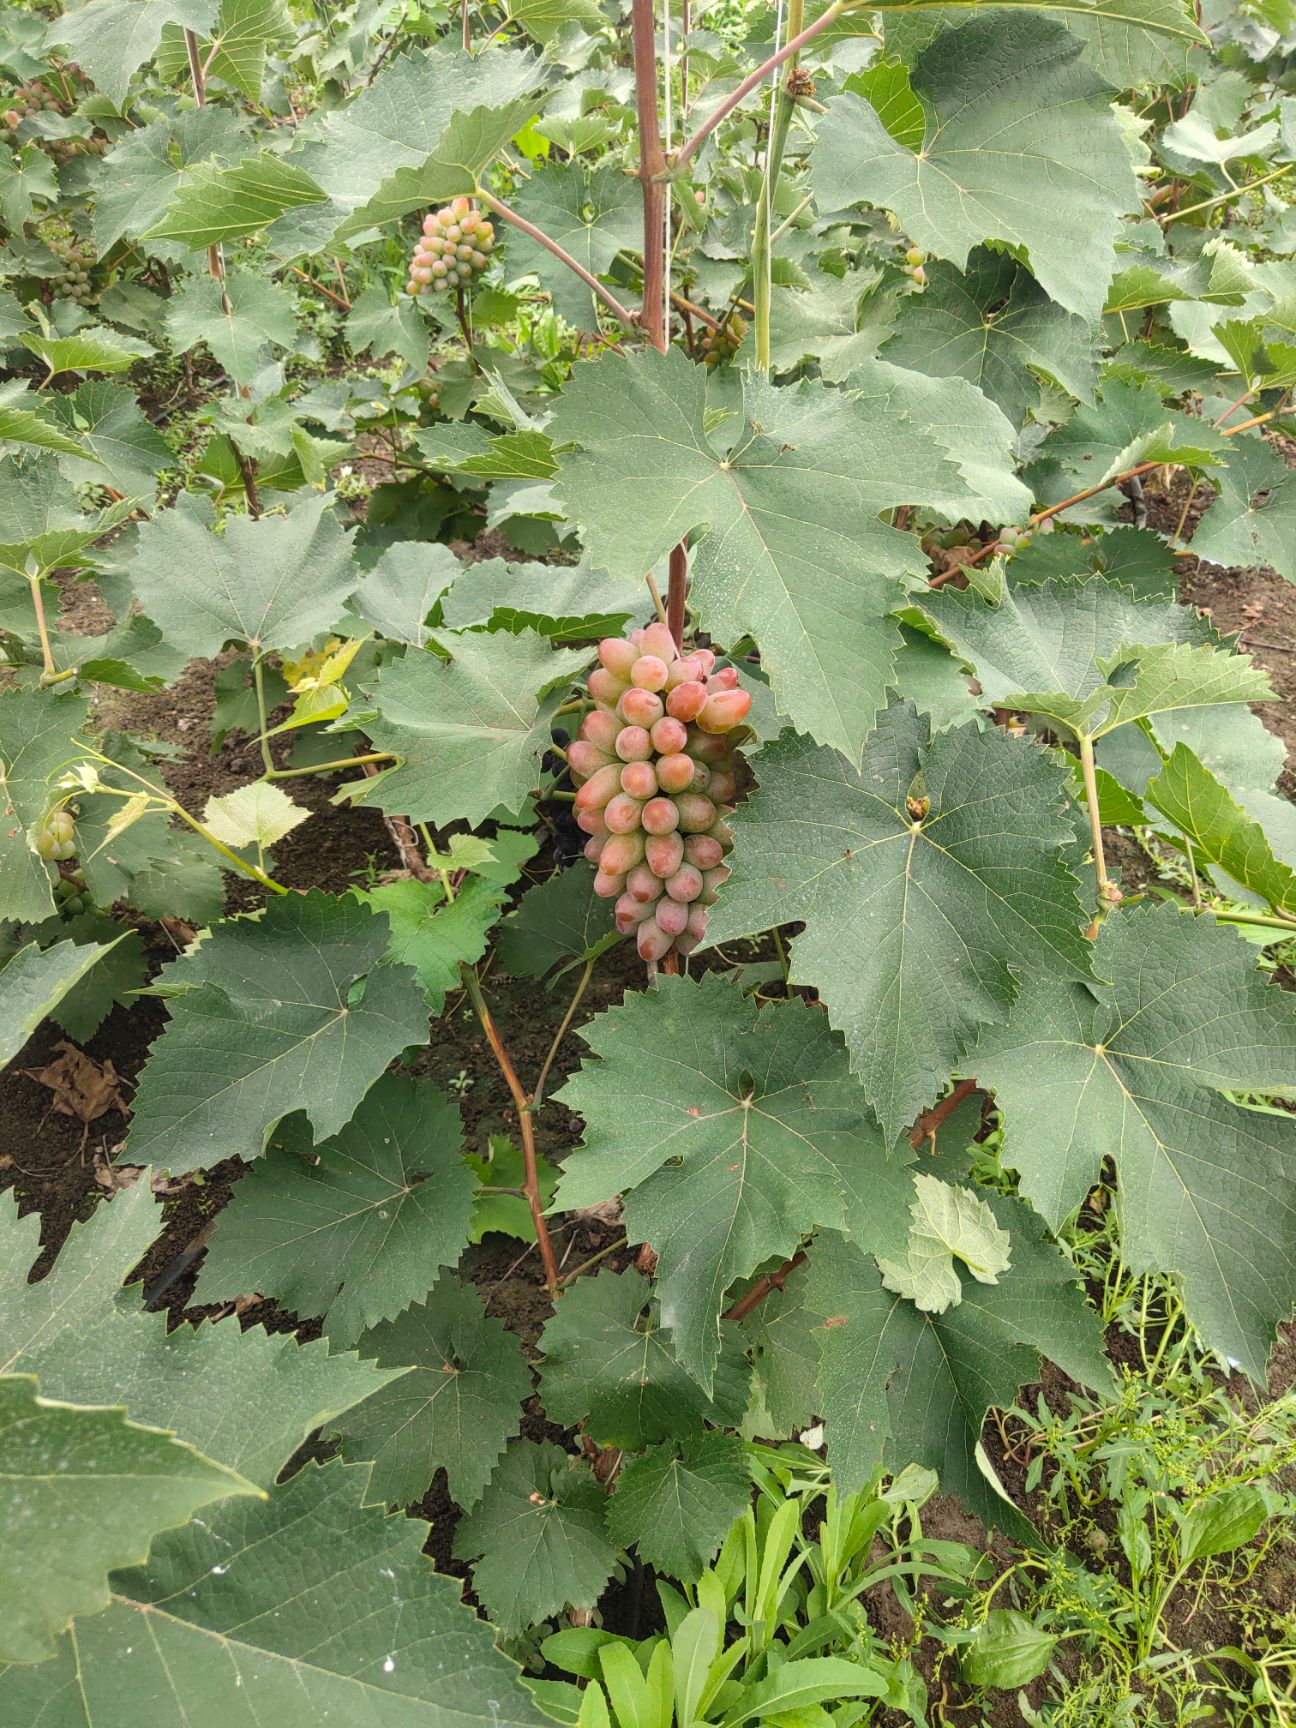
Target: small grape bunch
{"x": 722, "y": 343}
{"x": 57, "y": 839}
{"x": 78, "y": 259}
{"x": 27, "y": 99}
{"x": 656, "y": 771}
{"x": 456, "y": 246}
{"x": 915, "y": 258}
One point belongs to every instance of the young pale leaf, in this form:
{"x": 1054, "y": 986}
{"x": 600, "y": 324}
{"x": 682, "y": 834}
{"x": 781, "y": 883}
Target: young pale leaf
{"x": 732, "y": 1132}
{"x": 83, "y": 1491}
{"x": 470, "y": 731}
{"x": 897, "y": 1385}
{"x": 455, "y": 1410}
{"x": 1134, "y": 1071}
{"x": 949, "y": 1223}
{"x": 254, "y": 815}
{"x": 676, "y": 1503}
{"x": 1219, "y": 831}
{"x": 608, "y": 1364}
{"x": 434, "y": 936}
{"x": 235, "y": 1060}
{"x": 34, "y": 983}
{"x": 1253, "y": 521}
{"x": 37, "y": 731}
{"x": 276, "y": 582}
{"x": 560, "y": 921}
{"x": 993, "y": 325}
{"x": 357, "y": 1227}
{"x": 915, "y": 923}
{"x": 789, "y": 493}
{"x": 1012, "y": 106}
{"x": 537, "y": 1537}
{"x": 248, "y": 1399}
{"x": 308, "y": 1607}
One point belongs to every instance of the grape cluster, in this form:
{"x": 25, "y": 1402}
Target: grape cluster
{"x": 56, "y": 840}
{"x": 27, "y": 99}
{"x": 78, "y": 259}
{"x": 656, "y": 769}
{"x": 913, "y": 266}
{"x": 722, "y": 343}
{"x": 456, "y": 244}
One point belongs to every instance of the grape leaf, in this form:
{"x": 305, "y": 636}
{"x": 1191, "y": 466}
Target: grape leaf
{"x": 783, "y": 1336}
{"x": 949, "y": 1223}
{"x": 374, "y": 324}
{"x": 789, "y": 492}
{"x": 560, "y": 920}
{"x": 217, "y": 203}
{"x": 92, "y": 349}
{"x": 1011, "y": 107}
{"x": 36, "y": 733}
{"x": 676, "y": 1503}
{"x": 41, "y": 518}
{"x": 593, "y": 212}
{"x": 456, "y": 1409}
{"x": 357, "y": 1227}
{"x": 993, "y": 325}
{"x": 914, "y": 926}
{"x": 609, "y": 1364}
{"x": 898, "y": 1386}
{"x": 502, "y": 1165}
{"x": 1124, "y": 426}
{"x": 726, "y": 1127}
{"x": 1253, "y": 521}
{"x": 274, "y": 583}
{"x": 128, "y": 452}
{"x": 401, "y": 589}
{"x": 537, "y": 1537}
{"x": 110, "y": 39}
{"x": 34, "y": 983}
{"x": 433, "y": 936}
{"x": 234, "y": 1061}
{"x": 1133, "y": 1071}
{"x": 304, "y": 1608}
{"x": 143, "y": 171}
{"x": 236, "y": 52}
{"x": 248, "y": 1399}
{"x": 23, "y": 421}
{"x": 564, "y": 604}
{"x": 835, "y": 324}
{"x": 257, "y": 814}
{"x": 1219, "y": 830}
{"x": 470, "y": 731}
{"x": 83, "y": 1491}
{"x": 260, "y": 311}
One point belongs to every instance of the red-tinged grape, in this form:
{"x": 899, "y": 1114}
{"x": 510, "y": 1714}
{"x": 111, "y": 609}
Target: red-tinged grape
{"x": 639, "y": 779}
{"x": 697, "y": 921}
{"x": 621, "y": 852}
{"x": 706, "y": 658}
{"x": 664, "y": 853}
{"x": 584, "y": 758}
{"x": 725, "y": 679}
{"x": 594, "y": 846}
{"x": 661, "y": 816}
{"x": 708, "y": 747}
{"x": 724, "y": 710}
{"x": 618, "y": 656}
{"x": 649, "y": 673}
{"x": 630, "y": 914}
{"x": 722, "y": 832}
{"x": 669, "y": 736}
{"x": 608, "y": 887}
{"x": 639, "y": 707}
{"x": 603, "y": 784}
{"x": 642, "y": 884}
{"x": 591, "y": 822}
{"x": 637, "y": 636}
{"x": 685, "y": 884}
{"x": 605, "y": 688}
{"x": 712, "y": 882}
{"x": 657, "y": 639}
{"x": 722, "y": 787}
{"x": 683, "y": 671}
{"x": 672, "y": 917}
{"x": 634, "y": 744}
{"x": 601, "y": 730}
{"x": 652, "y": 941}
{"x": 696, "y": 812}
{"x": 675, "y": 773}
{"x": 703, "y": 850}
{"x": 623, "y": 814}
{"x": 686, "y": 701}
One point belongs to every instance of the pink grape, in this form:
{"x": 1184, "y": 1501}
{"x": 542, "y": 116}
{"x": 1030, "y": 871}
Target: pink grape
{"x": 585, "y": 758}
{"x": 724, "y": 710}
{"x": 675, "y": 773}
{"x": 703, "y": 850}
{"x": 672, "y": 917}
{"x": 696, "y": 812}
{"x": 697, "y": 921}
{"x": 608, "y": 887}
{"x": 722, "y": 787}
{"x": 601, "y": 730}
{"x": 652, "y": 942}
{"x": 630, "y": 913}
{"x": 639, "y": 779}
{"x": 725, "y": 679}
{"x": 591, "y": 822}
{"x": 639, "y": 707}
{"x": 618, "y": 656}
{"x": 657, "y": 639}
{"x": 664, "y": 854}
{"x": 669, "y": 736}
{"x": 686, "y": 701}
{"x": 649, "y": 672}
{"x": 605, "y": 688}
{"x": 661, "y": 816}
{"x": 712, "y": 882}
{"x": 634, "y": 744}
{"x": 706, "y": 659}
{"x": 603, "y": 784}
{"x": 621, "y": 852}
{"x": 623, "y": 813}
{"x": 685, "y": 884}
{"x": 594, "y": 847}
{"x": 642, "y": 884}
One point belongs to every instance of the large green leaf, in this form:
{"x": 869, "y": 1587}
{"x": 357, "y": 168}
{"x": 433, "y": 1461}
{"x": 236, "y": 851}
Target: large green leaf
{"x": 676, "y": 1503}
{"x": 898, "y": 1386}
{"x": 789, "y": 493}
{"x": 274, "y": 583}
{"x": 1012, "y": 108}
{"x": 726, "y": 1128}
{"x": 1219, "y": 831}
{"x": 356, "y": 1227}
{"x": 593, "y": 213}
{"x": 609, "y": 1365}
{"x": 1253, "y": 521}
{"x": 127, "y": 451}
{"x": 456, "y": 1409}
{"x": 236, "y": 1059}
{"x": 247, "y": 1399}
{"x": 1124, "y": 426}
{"x": 470, "y": 731}
{"x": 993, "y": 325}
{"x": 436, "y": 936}
{"x": 562, "y": 602}
{"x": 236, "y": 50}
{"x": 236, "y": 319}
{"x": 37, "y": 729}
{"x": 217, "y": 203}
{"x": 111, "y": 39}
{"x": 396, "y": 595}
{"x": 41, "y": 518}
{"x": 142, "y": 173}
{"x": 82, "y": 1491}
{"x": 537, "y": 1537}
{"x": 917, "y": 919}
{"x": 307, "y": 1608}
{"x": 1133, "y": 1072}
{"x": 34, "y": 983}
{"x": 560, "y": 921}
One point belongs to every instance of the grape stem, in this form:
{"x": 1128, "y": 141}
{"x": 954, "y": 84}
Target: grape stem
{"x": 537, "y": 1095}
{"x": 403, "y": 838}
{"x": 541, "y": 238}
{"x": 38, "y": 602}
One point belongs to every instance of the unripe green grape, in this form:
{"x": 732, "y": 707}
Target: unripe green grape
{"x": 45, "y": 844}
{"x": 915, "y": 255}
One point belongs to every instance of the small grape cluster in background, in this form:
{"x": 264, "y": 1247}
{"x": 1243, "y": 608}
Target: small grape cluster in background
{"x": 655, "y": 767}
{"x": 722, "y": 343}
{"x": 56, "y": 844}
{"x": 78, "y": 258}
{"x": 26, "y": 100}
{"x": 456, "y": 246}
{"x": 915, "y": 258}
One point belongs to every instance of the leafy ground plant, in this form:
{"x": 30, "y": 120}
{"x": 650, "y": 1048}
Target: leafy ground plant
{"x": 597, "y": 637}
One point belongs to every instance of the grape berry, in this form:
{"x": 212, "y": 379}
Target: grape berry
{"x": 656, "y": 770}
{"x": 456, "y": 245}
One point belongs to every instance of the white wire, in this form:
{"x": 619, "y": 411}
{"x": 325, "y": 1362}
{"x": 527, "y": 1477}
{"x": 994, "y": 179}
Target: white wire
{"x": 768, "y": 189}
{"x": 669, "y": 128}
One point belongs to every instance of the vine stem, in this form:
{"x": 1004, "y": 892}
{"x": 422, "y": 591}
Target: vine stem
{"x": 537, "y": 1095}
{"x": 652, "y": 171}
{"x": 330, "y": 767}
{"x": 42, "y": 630}
{"x": 1224, "y": 197}
{"x": 494, "y": 205}
{"x": 258, "y": 680}
{"x": 1095, "y": 820}
{"x": 525, "y": 1107}
{"x": 403, "y": 839}
{"x": 762, "y": 260}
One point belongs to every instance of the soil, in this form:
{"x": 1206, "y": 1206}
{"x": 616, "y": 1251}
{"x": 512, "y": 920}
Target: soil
{"x": 43, "y": 1159}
